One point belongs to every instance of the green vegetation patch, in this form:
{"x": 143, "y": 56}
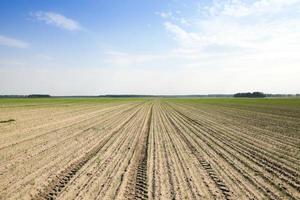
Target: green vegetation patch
{"x": 7, "y": 102}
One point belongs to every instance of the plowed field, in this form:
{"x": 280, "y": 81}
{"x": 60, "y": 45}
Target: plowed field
{"x": 150, "y": 149}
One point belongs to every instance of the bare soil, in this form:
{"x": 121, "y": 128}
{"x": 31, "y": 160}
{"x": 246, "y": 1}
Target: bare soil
{"x": 154, "y": 149}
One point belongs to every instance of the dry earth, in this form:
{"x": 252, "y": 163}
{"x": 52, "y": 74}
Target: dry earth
{"x": 151, "y": 149}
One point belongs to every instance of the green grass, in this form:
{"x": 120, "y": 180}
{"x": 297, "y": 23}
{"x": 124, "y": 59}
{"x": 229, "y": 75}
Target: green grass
{"x": 240, "y": 102}
{"x": 58, "y": 101}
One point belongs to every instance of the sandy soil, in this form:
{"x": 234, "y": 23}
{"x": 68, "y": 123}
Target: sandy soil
{"x": 156, "y": 149}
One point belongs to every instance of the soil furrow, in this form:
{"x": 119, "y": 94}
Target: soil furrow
{"x": 204, "y": 163}
{"x": 156, "y": 149}
{"x": 137, "y": 187}
{"x": 56, "y": 186}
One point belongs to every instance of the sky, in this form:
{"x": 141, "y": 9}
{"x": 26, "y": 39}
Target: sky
{"x": 95, "y": 47}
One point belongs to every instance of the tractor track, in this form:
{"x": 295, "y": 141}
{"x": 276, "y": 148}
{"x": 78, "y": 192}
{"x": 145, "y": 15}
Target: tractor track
{"x": 57, "y": 185}
{"x": 150, "y": 149}
{"x": 254, "y": 154}
{"x": 204, "y": 163}
{"x": 137, "y": 187}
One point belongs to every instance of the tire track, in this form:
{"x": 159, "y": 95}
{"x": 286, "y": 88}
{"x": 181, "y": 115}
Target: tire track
{"x": 175, "y": 142}
{"x": 263, "y": 135}
{"x": 137, "y": 186}
{"x": 254, "y": 155}
{"x": 141, "y": 185}
{"x": 155, "y": 149}
{"x": 168, "y": 166}
{"x": 212, "y": 144}
{"x": 204, "y": 163}
{"x": 57, "y": 185}
{"x": 228, "y": 142}
{"x": 126, "y": 139}
{"x": 47, "y": 161}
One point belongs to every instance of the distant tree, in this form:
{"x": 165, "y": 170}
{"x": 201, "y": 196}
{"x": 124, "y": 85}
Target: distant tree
{"x": 12, "y": 96}
{"x": 38, "y": 96}
{"x": 258, "y": 94}
{"x": 250, "y": 95}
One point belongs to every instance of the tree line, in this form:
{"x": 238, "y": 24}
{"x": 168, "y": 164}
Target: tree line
{"x": 250, "y": 95}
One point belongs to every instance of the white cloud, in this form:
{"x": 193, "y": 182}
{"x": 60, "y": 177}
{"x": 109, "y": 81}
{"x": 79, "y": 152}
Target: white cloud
{"x": 234, "y": 46}
{"x": 219, "y": 32}
{"x": 12, "y": 42}
{"x": 258, "y": 41}
{"x": 58, "y": 20}
{"x": 174, "y": 17}
{"x": 240, "y": 8}
{"x": 181, "y": 35}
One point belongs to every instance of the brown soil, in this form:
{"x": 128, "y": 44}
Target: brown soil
{"x": 154, "y": 149}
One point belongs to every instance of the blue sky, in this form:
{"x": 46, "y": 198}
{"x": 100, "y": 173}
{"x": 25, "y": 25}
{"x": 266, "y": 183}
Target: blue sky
{"x": 149, "y": 47}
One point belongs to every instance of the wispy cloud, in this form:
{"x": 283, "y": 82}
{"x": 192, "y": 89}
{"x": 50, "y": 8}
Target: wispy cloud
{"x": 241, "y": 8}
{"x": 258, "y": 41}
{"x": 182, "y": 36}
{"x": 12, "y": 42}
{"x": 58, "y": 20}
{"x": 234, "y": 24}
{"x": 174, "y": 16}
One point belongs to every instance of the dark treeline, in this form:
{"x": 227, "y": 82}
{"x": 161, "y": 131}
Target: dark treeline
{"x": 39, "y": 96}
{"x": 26, "y": 96}
{"x": 282, "y": 95}
{"x": 250, "y": 95}
{"x": 243, "y": 95}
{"x": 13, "y": 96}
